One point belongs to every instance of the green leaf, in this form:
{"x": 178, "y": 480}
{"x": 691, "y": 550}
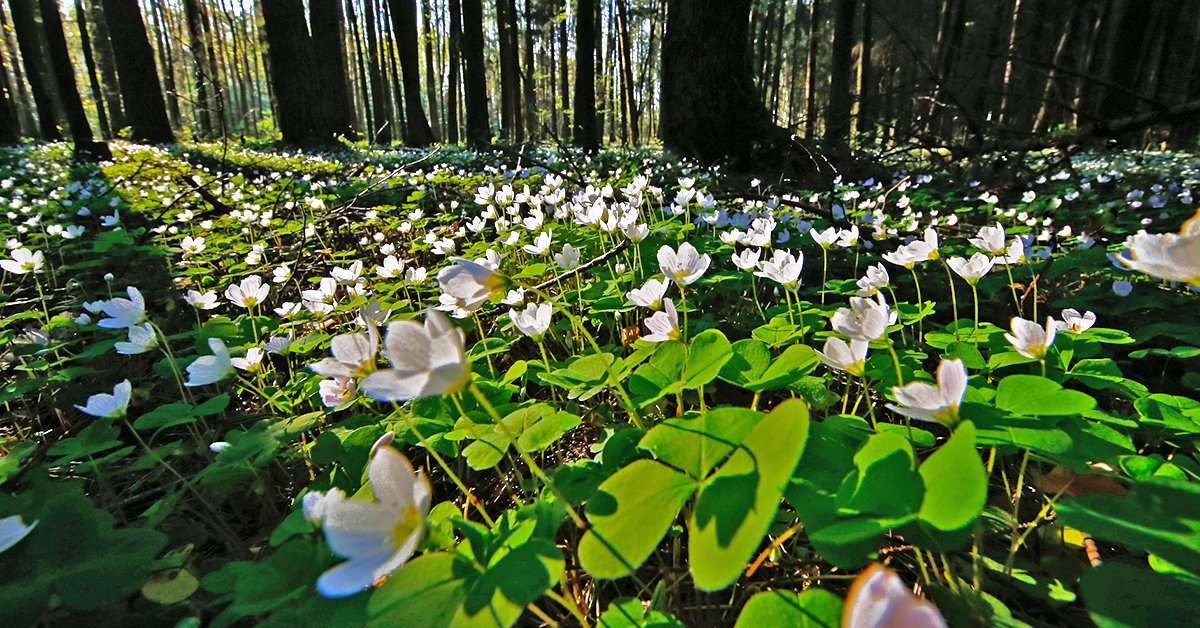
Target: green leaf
{"x": 885, "y": 481}
{"x": 793, "y": 364}
{"x": 697, "y": 445}
{"x": 1161, "y": 516}
{"x": 709, "y": 351}
{"x": 166, "y": 416}
{"x": 1119, "y": 595}
{"x": 814, "y": 608}
{"x": 955, "y": 483}
{"x": 749, "y": 361}
{"x": 628, "y": 612}
{"x": 737, "y": 503}
{"x": 424, "y": 592}
{"x": 630, "y": 513}
{"x": 1030, "y": 395}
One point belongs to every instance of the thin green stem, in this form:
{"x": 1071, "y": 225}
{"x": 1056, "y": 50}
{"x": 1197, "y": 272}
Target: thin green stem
{"x": 953, "y": 295}
{"x": 482, "y": 338}
{"x": 471, "y": 499}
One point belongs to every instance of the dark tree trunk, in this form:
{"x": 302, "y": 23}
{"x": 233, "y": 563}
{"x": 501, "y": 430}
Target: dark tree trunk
{"x": 709, "y": 108}
{"x": 586, "y": 134}
{"x": 166, "y": 58}
{"x": 382, "y": 130}
{"x": 530, "y": 104}
{"x": 202, "y": 72}
{"x": 429, "y": 35}
{"x": 89, "y": 63}
{"x": 564, "y": 88}
{"x": 140, "y": 90}
{"x": 404, "y": 28}
{"x": 479, "y": 128}
{"x": 64, "y": 78}
{"x": 810, "y": 70}
{"x": 290, "y": 49}
{"x": 1121, "y": 99}
{"x": 41, "y": 80}
{"x": 508, "y": 80}
{"x": 837, "y": 120}
{"x": 10, "y": 125}
{"x": 332, "y": 79}
{"x": 627, "y": 103}
{"x": 20, "y": 97}
{"x": 864, "y": 109}
{"x": 364, "y": 93}
{"x": 452, "y": 94}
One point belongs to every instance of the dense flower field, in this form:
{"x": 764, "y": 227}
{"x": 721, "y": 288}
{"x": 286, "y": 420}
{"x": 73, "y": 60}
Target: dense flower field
{"x": 452, "y": 389}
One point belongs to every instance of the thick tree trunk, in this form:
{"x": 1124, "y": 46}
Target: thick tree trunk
{"x": 109, "y": 87}
{"x": 1126, "y": 57}
{"x": 41, "y": 81}
{"x": 586, "y": 134}
{"x": 627, "y": 103}
{"x": 10, "y": 125}
{"x": 166, "y": 58}
{"x": 864, "y": 107}
{"x": 837, "y": 121}
{"x": 404, "y": 28}
{"x": 479, "y": 128}
{"x": 364, "y": 93}
{"x": 382, "y": 131}
{"x": 810, "y": 70}
{"x": 89, "y": 64}
{"x": 530, "y": 104}
{"x": 328, "y": 40}
{"x": 455, "y": 60}
{"x": 709, "y": 106}
{"x": 64, "y": 78}
{"x": 564, "y": 87}
{"x": 290, "y": 49}
{"x": 429, "y": 35}
{"x": 141, "y": 92}
{"x": 202, "y": 73}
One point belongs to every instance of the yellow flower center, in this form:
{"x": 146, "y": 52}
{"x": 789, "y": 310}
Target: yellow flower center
{"x": 409, "y": 523}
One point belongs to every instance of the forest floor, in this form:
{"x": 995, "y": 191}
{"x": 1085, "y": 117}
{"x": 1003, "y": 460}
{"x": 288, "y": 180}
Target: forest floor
{"x": 650, "y": 394}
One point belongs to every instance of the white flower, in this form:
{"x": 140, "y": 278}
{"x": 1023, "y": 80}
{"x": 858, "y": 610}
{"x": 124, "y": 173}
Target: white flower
{"x": 514, "y": 297}
{"x": 541, "y": 244}
{"x": 865, "y": 319}
{"x": 416, "y": 276}
{"x": 347, "y": 276}
{"x": 426, "y": 361}
{"x": 783, "y": 268}
{"x": 13, "y": 530}
{"x": 251, "y": 291}
{"x": 337, "y": 391}
{"x": 927, "y": 402}
{"x": 24, "y": 261}
{"x": 879, "y": 598}
{"x": 141, "y": 339}
{"x": 208, "y": 369}
{"x": 845, "y": 357}
{"x": 106, "y": 406}
{"x": 124, "y": 312}
{"x": 649, "y": 295}
{"x": 206, "y": 300}
{"x": 663, "y": 325}
{"x": 1075, "y": 322}
{"x": 747, "y": 259}
{"x": 314, "y": 505}
{"x": 533, "y": 321}
{"x": 278, "y": 344}
{"x": 875, "y": 280}
{"x": 990, "y": 240}
{"x": 684, "y": 266}
{"x": 916, "y": 251}
{"x": 824, "y": 238}
{"x": 282, "y": 274}
{"x": 1030, "y": 339}
{"x": 972, "y": 270}
{"x": 287, "y": 309}
{"x": 636, "y": 232}
{"x": 1165, "y": 255}
{"x": 353, "y": 355}
{"x": 252, "y": 362}
{"x": 471, "y": 283}
{"x": 392, "y": 267}
{"x": 192, "y": 246}
{"x": 377, "y": 536}
{"x": 568, "y": 259}
{"x": 848, "y": 238}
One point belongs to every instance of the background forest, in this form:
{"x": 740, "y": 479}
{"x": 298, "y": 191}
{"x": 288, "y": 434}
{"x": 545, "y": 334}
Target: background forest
{"x": 909, "y": 73}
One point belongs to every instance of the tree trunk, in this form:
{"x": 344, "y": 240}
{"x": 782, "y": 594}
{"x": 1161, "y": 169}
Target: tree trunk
{"x": 455, "y": 57}
{"x": 382, "y": 131}
{"x": 429, "y": 35}
{"x": 530, "y": 104}
{"x": 141, "y": 92}
{"x": 709, "y": 108}
{"x": 109, "y": 87}
{"x": 202, "y": 73}
{"x": 64, "y": 78}
{"x": 863, "y": 111}
{"x": 404, "y": 29}
{"x": 89, "y": 64}
{"x": 1121, "y": 100}
{"x": 837, "y": 121}
{"x": 166, "y": 58}
{"x": 328, "y": 40}
{"x": 564, "y": 87}
{"x": 479, "y": 128}
{"x": 364, "y": 93}
{"x": 1011, "y": 49}
{"x": 586, "y": 135}
{"x": 627, "y": 103}
{"x": 290, "y": 49}
{"x": 1042, "y": 121}
{"x": 10, "y": 125}
{"x": 21, "y": 99}
{"x": 41, "y": 80}
{"x": 810, "y": 70}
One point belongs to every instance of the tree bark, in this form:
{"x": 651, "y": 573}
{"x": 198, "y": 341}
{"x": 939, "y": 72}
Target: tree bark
{"x": 328, "y": 40}
{"x": 810, "y": 70}
{"x": 530, "y": 103}
{"x": 455, "y": 60}
{"x": 1125, "y": 61}
{"x": 429, "y": 35}
{"x": 64, "y": 78}
{"x": 141, "y": 92}
{"x": 709, "y": 108}
{"x": 564, "y": 87}
{"x": 290, "y": 50}
{"x": 404, "y": 28}
{"x": 166, "y": 58}
{"x": 626, "y": 47}
{"x": 41, "y": 80}
{"x": 202, "y": 73}
{"x": 10, "y": 125}
{"x": 479, "y": 127}
{"x": 837, "y": 120}
{"x": 382, "y": 131}
{"x": 89, "y": 64}
{"x": 864, "y": 106}
{"x": 585, "y": 135}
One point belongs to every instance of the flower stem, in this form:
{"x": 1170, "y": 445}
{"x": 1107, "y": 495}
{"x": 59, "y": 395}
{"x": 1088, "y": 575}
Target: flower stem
{"x": 953, "y": 295}
{"x": 482, "y": 338}
{"x": 471, "y": 499}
